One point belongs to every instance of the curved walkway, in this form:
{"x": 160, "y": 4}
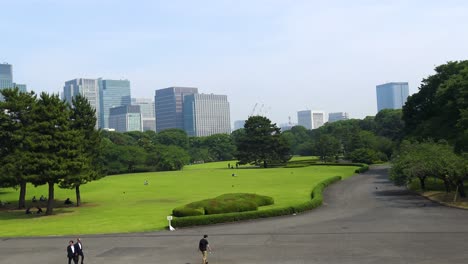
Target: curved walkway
{"x": 365, "y": 219}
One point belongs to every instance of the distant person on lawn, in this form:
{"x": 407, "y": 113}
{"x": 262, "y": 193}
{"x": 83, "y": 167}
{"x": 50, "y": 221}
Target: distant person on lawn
{"x": 203, "y": 246}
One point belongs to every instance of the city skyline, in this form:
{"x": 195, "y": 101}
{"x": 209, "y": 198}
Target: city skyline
{"x": 286, "y": 55}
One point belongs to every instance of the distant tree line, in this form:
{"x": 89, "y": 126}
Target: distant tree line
{"x": 167, "y": 150}
{"x": 370, "y": 140}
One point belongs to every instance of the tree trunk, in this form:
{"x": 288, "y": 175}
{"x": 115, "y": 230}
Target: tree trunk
{"x": 461, "y": 189}
{"x": 22, "y": 196}
{"x": 422, "y": 182}
{"x": 78, "y": 195}
{"x": 447, "y": 186}
{"x": 264, "y": 164}
{"x": 50, "y": 202}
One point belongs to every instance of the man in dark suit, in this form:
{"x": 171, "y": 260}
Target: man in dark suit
{"x": 79, "y": 250}
{"x": 71, "y": 253}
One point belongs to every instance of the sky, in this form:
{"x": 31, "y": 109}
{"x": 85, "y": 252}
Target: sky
{"x": 283, "y": 55}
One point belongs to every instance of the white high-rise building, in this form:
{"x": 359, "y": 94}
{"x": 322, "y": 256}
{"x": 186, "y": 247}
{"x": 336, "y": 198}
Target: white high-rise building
{"x": 88, "y": 88}
{"x": 310, "y": 119}
{"x": 206, "y": 114}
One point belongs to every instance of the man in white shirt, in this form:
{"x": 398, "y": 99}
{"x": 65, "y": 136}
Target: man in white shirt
{"x": 79, "y": 249}
{"x": 71, "y": 253}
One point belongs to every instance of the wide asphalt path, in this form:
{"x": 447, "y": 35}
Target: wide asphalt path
{"x": 365, "y": 219}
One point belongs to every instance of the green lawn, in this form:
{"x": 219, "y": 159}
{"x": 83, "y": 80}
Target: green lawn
{"x": 122, "y": 203}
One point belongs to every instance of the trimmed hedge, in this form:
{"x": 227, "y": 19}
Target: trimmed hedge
{"x": 316, "y": 200}
{"x": 363, "y": 168}
{"x": 226, "y": 203}
{"x": 306, "y": 163}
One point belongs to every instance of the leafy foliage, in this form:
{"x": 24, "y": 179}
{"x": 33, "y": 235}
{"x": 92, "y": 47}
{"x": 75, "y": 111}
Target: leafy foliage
{"x": 261, "y": 143}
{"x": 439, "y": 109}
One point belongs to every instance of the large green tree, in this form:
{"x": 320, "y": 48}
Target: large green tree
{"x": 83, "y": 120}
{"x": 428, "y": 159}
{"x": 439, "y": 109}
{"x": 16, "y": 117}
{"x": 327, "y": 148}
{"x": 261, "y": 143}
{"x": 56, "y": 145}
{"x": 389, "y": 123}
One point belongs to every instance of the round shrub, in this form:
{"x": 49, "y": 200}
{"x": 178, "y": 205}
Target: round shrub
{"x": 186, "y": 211}
{"x": 231, "y": 207}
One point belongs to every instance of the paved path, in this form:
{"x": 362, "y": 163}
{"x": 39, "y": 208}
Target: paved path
{"x": 365, "y": 219}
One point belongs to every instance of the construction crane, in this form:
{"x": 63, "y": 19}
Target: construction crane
{"x": 253, "y": 110}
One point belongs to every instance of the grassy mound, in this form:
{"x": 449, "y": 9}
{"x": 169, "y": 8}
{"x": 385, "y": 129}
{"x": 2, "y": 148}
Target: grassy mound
{"x": 226, "y": 203}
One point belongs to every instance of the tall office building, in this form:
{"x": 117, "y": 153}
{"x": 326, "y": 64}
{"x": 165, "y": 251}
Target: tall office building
{"x": 147, "y": 112}
{"x": 168, "y": 105}
{"x": 6, "y": 76}
{"x": 6, "y": 79}
{"x": 337, "y": 116}
{"x": 310, "y": 119}
{"x": 125, "y": 118}
{"x": 206, "y": 114}
{"x": 318, "y": 119}
{"x": 88, "y": 88}
{"x": 304, "y": 118}
{"x": 112, "y": 93}
{"x": 392, "y": 95}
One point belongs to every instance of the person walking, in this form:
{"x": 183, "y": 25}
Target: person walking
{"x": 79, "y": 249}
{"x": 203, "y": 246}
{"x": 71, "y": 253}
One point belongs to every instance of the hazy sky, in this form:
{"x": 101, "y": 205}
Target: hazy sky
{"x": 287, "y": 55}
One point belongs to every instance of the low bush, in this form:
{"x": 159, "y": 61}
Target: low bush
{"x": 363, "y": 168}
{"x": 186, "y": 211}
{"x": 226, "y": 203}
{"x": 316, "y": 200}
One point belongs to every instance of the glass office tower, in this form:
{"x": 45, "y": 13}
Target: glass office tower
{"x": 168, "y": 105}
{"x": 392, "y": 95}
{"x": 112, "y": 93}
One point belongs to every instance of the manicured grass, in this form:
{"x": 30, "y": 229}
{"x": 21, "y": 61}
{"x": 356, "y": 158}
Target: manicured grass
{"x": 122, "y": 203}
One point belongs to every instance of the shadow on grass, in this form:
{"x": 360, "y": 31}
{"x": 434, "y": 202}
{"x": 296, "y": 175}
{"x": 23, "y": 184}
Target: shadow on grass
{"x": 20, "y": 214}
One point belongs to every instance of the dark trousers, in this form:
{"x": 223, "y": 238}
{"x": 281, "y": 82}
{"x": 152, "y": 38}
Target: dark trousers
{"x": 75, "y": 260}
{"x": 82, "y": 257}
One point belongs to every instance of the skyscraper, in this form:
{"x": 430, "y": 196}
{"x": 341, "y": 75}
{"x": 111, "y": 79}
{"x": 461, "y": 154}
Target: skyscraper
{"x": 392, "y": 95}
{"x": 337, "y": 116}
{"x": 318, "y": 119}
{"x": 6, "y": 76}
{"x": 310, "y": 119}
{"x": 6, "y": 79}
{"x": 112, "y": 93}
{"x": 168, "y": 104}
{"x": 88, "y": 88}
{"x": 147, "y": 112}
{"x": 206, "y": 114}
{"x": 304, "y": 118}
{"x": 125, "y": 118}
